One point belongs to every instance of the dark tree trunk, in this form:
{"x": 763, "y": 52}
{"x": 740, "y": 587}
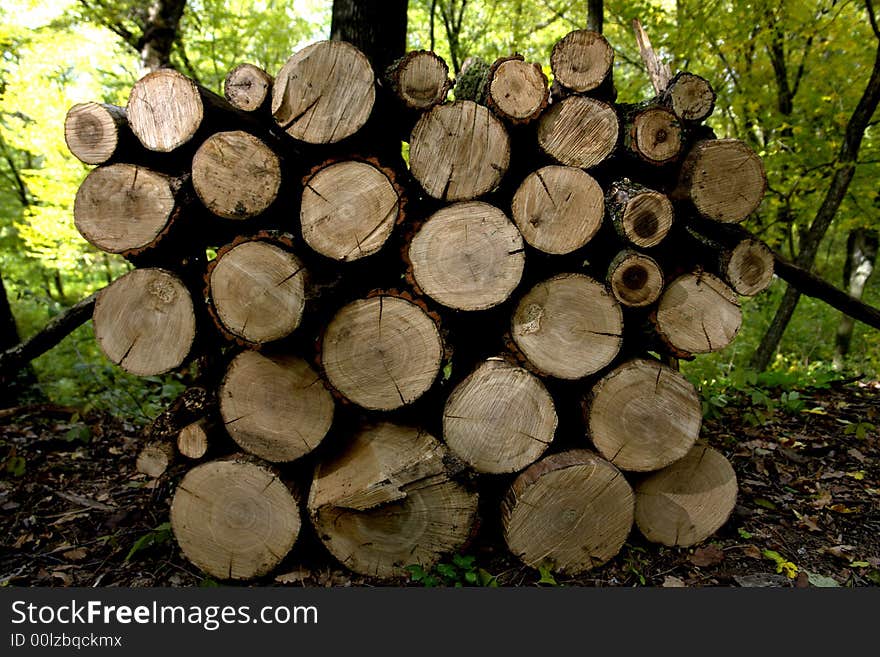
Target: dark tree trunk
{"x": 160, "y": 33}
{"x": 14, "y": 383}
{"x": 376, "y": 27}
{"x": 595, "y": 15}
{"x": 861, "y": 254}
{"x": 8, "y": 329}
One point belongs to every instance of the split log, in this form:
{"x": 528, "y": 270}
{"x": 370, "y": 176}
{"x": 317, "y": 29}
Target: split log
{"x": 578, "y": 131}
{"x": 643, "y": 415}
{"x": 96, "y": 133}
{"x": 653, "y": 134}
{"x": 349, "y": 209}
{"x": 275, "y": 407}
{"x": 324, "y": 93}
{"x": 388, "y": 501}
{"x": 257, "y": 290}
{"x": 500, "y": 418}
{"x": 145, "y": 322}
{"x": 516, "y": 90}
{"x": 639, "y": 215}
{"x": 236, "y": 175}
{"x": 635, "y": 279}
{"x": 127, "y": 209}
{"x": 568, "y": 326}
{"x": 690, "y": 97}
{"x": 723, "y": 178}
{"x": 571, "y": 511}
{"x": 459, "y": 151}
{"x": 247, "y": 87}
{"x": 382, "y": 352}
{"x": 581, "y": 60}
{"x": 194, "y": 439}
{"x": 558, "y": 209}
{"x": 420, "y": 79}
{"x": 234, "y": 519}
{"x": 467, "y": 256}
{"x": 697, "y": 314}
{"x": 688, "y": 501}
{"x": 154, "y": 458}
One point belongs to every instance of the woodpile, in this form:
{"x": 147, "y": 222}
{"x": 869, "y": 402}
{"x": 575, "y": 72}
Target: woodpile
{"x": 382, "y": 342}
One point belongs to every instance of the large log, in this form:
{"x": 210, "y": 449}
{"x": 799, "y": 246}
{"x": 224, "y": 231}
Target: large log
{"x": 578, "y": 131}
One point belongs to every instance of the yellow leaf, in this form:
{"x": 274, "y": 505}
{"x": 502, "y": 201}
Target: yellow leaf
{"x": 858, "y": 475}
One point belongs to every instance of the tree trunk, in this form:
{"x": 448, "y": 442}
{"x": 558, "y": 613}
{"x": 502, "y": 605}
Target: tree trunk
{"x": 595, "y": 15}
{"x": 861, "y": 254}
{"x": 160, "y": 32}
{"x": 376, "y": 27}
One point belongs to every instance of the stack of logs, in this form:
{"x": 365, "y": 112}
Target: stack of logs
{"x": 390, "y": 337}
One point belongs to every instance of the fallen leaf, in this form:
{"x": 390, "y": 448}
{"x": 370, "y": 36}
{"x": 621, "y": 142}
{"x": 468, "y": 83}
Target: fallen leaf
{"x": 751, "y": 552}
{"x": 859, "y": 564}
{"x": 766, "y": 504}
{"x": 809, "y": 522}
{"x": 823, "y": 499}
{"x": 294, "y": 576}
{"x": 802, "y": 581}
{"x": 821, "y": 581}
{"x": 858, "y": 475}
{"x": 671, "y": 582}
{"x": 64, "y": 577}
{"x": 77, "y": 554}
{"x": 841, "y": 551}
{"x": 856, "y": 454}
{"x": 707, "y": 556}
{"x": 842, "y": 508}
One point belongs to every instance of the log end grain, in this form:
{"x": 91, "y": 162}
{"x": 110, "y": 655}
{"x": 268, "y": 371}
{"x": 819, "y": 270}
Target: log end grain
{"x": 247, "y": 87}
{"x": 165, "y": 110}
{"x": 698, "y": 314}
{"x": 581, "y": 60}
{"x": 517, "y": 89}
{"x": 635, "y": 279}
{"x": 92, "y": 131}
{"x": 579, "y": 131}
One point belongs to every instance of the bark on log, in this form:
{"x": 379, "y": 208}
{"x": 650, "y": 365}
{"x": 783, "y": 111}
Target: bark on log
{"x": 581, "y": 60}
{"x": 578, "y": 131}
{"x": 639, "y": 215}
{"x": 420, "y": 80}
{"x": 635, "y": 279}
{"x": 248, "y": 88}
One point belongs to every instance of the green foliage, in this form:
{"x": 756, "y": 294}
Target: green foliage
{"x": 783, "y": 565}
{"x": 545, "y": 570}
{"x": 159, "y": 535}
{"x": 461, "y": 571}
{"x": 859, "y": 429}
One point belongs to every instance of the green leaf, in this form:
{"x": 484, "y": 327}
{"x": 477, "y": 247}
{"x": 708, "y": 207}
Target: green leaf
{"x": 464, "y": 562}
{"x": 487, "y": 578}
{"x": 446, "y": 570}
{"x": 546, "y": 575}
{"x": 447, "y": 371}
{"x": 160, "y": 534}
{"x": 744, "y": 534}
{"x": 16, "y": 466}
{"x": 208, "y": 583}
{"x": 470, "y": 577}
{"x": 80, "y": 433}
{"x": 766, "y": 504}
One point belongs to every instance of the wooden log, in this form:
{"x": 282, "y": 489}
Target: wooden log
{"x": 324, "y": 93}
{"x": 690, "y": 97}
{"x": 193, "y": 403}
{"x": 389, "y": 501}
{"x": 640, "y": 215}
{"x": 467, "y": 256}
{"x": 744, "y": 263}
{"x": 419, "y": 79}
{"x": 723, "y": 178}
{"x": 635, "y": 279}
{"x": 698, "y": 313}
{"x": 653, "y": 134}
{"x": 257, "y": 289}
{"x": 688, "y": 501}
{"x": 234, "y": 519}
{"x": 154, "y": 458}
{"x": 459, "y": 151}
{"x": 571, "y": 512}
{"x": 236, "y": 175}
{"x": 568, "y": 326}
{"x": 127, "y": 209}
{"x": 516, "y": 90}
{"x": 643, "y": 415}
{"x": 558, "y": 209}
{"x": 145, "y": 321}
{"x": 578, "y": 131}
{"x": 248, "y": 88}
{"x": 581, "y": 60}
{"x": 350, "y": 208}
{"x": 96, "y": 133}
{"x": 500, "y": 418}
{"x": 275, "y": 407}
{"x": 195, "y": 438}
{"x": 382, "y": 352}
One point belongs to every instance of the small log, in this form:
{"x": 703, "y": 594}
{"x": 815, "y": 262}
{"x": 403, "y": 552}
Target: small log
{"x": 154, "y": 458}
{"x": 248, "y": 88}
{"x": 690, "y": 97}
{"x": 96, "y": 133}
{"x": 653, "y": 134}
{"x": 635, "y": 279}
{"x": 459, "y": 151}
{"x": 516, "y": 90}
{"x": 145, "y": 322}
{"x": 388, "y": 501}
{"x": 581, "y": 60}
{"x": 744, "y": 263}
{"x": 467, "y": 256}
{"x": 578, "y": 131}
{"x": 419, "y": 79}
{"x": 350, "y": 208}
{"x": 195, "y": 438}
{"x": 236, "y": 175}
{"x": 688, "y": 501}
{"x": 568, "y": 326}
{"x": 643, "y": 415}
{"x": 697, "y": 314}
{"x": 275, "y": 407}
{"x": 324, "y": 93}
{"x": 723, "y": 178}
{"x": 234, "y": 519}
{"x": 382, "y": 352}
{"x": 558, "y": 209}
{"x": 571, "y": 511}
{"x": 500, "y": 418}
{"x": 640, "y": 215}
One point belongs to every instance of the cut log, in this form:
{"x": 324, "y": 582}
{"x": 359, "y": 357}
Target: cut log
{"x": 154, "y": 458}
{"x": 194, "y": 439}
{"x": 257, "y": 291}
{"x": 558, "y": 209}
{"x": 581, "y": 60}
{"x": 388, "y": 502}
{"x": 690, "y": 97}
{"x": 459, "y": 151}
{"x": 748, "y": 267}
{"x": 653, "y": 135}
{"x": 723, "y": 178}
{"x": 236, "y": 175}
{"x": 234, "y": 519}
{"x": 382, "y": 352}
{"x": 97, "y": 132}
{"x": 639, "y": 215}
{"x": 324, "y": 93}
{"x": 125, "y": 209}
{"x": 697, "y": 314}
{"x": 420, "y": 79}
{"x": 275, "y": 407}
{"x": 467, "y": 256}
{"x": 247, "y": 87}
{"x": 349, "y": 209}
{"x": 688, "y": 501}
{"x": 517, "y": 90}
{"x": 500, "y": 418}
{"x": 145, "y": 322}
{"x": 635, "y": 279}
{"x": 643, "y": 415}
{"x": 570, "y": 512}
{"x": 578, "y": 131}
{"x": 568, "y": 326}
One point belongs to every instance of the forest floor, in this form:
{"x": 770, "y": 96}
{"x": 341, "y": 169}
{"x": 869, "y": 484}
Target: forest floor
{"x": 75, "y": 512}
